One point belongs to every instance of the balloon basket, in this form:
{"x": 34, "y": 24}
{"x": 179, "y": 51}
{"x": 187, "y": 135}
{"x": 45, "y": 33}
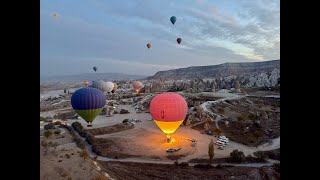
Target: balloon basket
{"x": 89, "y": 125}
{"x": 170, "y": 140}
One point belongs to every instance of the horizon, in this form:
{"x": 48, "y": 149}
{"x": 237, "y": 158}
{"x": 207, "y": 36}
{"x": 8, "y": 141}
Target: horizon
{"x": 113, "y": 35}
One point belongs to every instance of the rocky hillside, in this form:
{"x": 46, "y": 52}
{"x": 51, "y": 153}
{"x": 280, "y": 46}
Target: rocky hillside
{"x": 221, "y": 70}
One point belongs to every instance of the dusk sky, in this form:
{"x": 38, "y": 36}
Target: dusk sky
{"x": 112, "y": 34}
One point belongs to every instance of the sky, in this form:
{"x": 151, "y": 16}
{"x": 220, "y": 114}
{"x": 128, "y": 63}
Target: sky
{"x": 112, "y": 34}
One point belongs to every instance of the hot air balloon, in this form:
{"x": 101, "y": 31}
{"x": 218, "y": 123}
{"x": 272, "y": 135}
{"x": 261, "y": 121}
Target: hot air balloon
{"x": 148, "y": 45}
{"x": 114, "y": 88}
{"x": 173, "y": 19}
{"x": 86, "y": 83}
{"x": 109, "y": 86}
{"x": 101, "y": 85}
{"x": 55, "y": 14}
{"x": 179, "y": 40}
{"x": 88, "y": 103}
{"x": 137, "y": 85}
{"x": 95, "y": 68}
{"x": 168, "y": 111}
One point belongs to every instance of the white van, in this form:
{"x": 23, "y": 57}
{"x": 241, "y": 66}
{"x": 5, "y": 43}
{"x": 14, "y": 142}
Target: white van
{"x": 224, "y": 141}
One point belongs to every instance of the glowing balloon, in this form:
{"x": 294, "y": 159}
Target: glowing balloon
{"x": 168, "y": 111}
{"x": 88, "y": 103}
{"x": 137, "y": 85}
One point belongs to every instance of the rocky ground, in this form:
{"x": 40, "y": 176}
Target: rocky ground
{"x": 133, "y": 171}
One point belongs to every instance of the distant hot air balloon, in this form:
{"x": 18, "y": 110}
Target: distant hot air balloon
{"x": 86, "y": 83}
{"x": 101, "y": 85}
{"x": 55, "y": 14}
{"x": 137, "y": 85}
{"x": 114, "y": 88}
{"x": 179, "y": 40}
{"x": 88, "y": 103}
{"x": 173, "y": 19}
{"x": 148, "y": 45}
{"x": 168, "y": 111}
{"x": 95, "y": 68}
{"x": 109, "y": 86}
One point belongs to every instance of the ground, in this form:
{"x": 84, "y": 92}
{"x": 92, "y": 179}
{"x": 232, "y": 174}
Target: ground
{"x": 55, "y": 164}
{"x": 132, "y": 171}
{"x": 146, "y": 142}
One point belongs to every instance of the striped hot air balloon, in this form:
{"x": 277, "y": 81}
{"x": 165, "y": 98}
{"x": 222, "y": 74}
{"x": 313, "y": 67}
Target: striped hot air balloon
{"x": 168, "y": 111}
{"x": 88, "y": 103}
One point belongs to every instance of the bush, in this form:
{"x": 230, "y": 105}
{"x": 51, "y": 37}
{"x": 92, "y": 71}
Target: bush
{"x": 125, "y": 121}
{"x": 77, "y": 126}
{"x": 221, "y": 110}
{"x": 80, "y": 143}
{"x": 242, "y": 117}
{"x": 44, "y": 144}
{"x": 211, "y": 150}
{"x": 49, "y": 126}
{"x": 84, "y": 154}
{"x": 115, "y": 112}
{"x": 260, "y": 155}
{"x": 57, "y": 132}
{"x": 252, "y": 116}
{"x": 124, "y": 111}
{"x": 237, "y": 156}
{"x": 43, "y": 119}
{"x": 250, "y": 158}
{"x": 276, "y": 167}
{"x": 57, "y": 123}
{"x": 218, "y": 131}
{"x": 47, "y": 134}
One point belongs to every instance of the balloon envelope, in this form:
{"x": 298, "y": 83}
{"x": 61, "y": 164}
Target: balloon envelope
{"x": 101, "y": 85}
{"x": 168, "y": 111}
{"x": 179, "y": 40}
{"x": 148, "y": 45}
{"x": 88, "y": 103}
{"x": 137, "y": 85}
{"x": 95, "y": 68}
{"x": 114, "y": 88}
{"x": 109, "y": 86}
{"x": 173, "y": 19}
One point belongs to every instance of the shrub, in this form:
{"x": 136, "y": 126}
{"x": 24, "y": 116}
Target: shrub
{"x": 125, "y": 121}
{"x": 47, "y": 133}
{"x": 237, "y": 156}
{"x": 80, "y": 143}
{"x": 43, "y": 119}
{"x": 84, "y": 154}
{"x": 221, "y": 110}
{"x": 250, "y": 158}
{"x": 124, "y": 111}
{"x": 218, "y": 131}
{"x": 258, "y": 134}
{"x": 44, "y": 144}
{"x": 260, "y": 155}
{"x": 49, "y": 126}
{"x": 57, "y": 132}
{"x": 77, "y": 126}
{"x": 115, "y": 112}
{"x": 276, "y": 167}
{"x": 242, "y": 117}
{"x": 57, "y": 123}
{"x": 252, "y": 116}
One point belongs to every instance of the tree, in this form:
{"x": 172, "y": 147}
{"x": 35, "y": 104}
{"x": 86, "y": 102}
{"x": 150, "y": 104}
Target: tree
{"x": 237, "y": 156}
{"x": 211, "y": 150}
{"x": 57, "y": 132}
{"x": 45, "y": 145}
{"x": 218, "y": 131}
{"x": 47, "y": 134}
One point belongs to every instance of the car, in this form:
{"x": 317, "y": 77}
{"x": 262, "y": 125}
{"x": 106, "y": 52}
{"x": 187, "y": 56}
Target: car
{"x": 170, "y": 150}
{"x": 220, "y": 147}
{"x": 209, "y": 133}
